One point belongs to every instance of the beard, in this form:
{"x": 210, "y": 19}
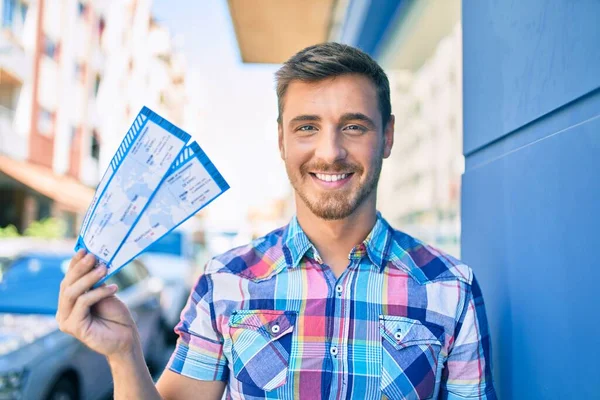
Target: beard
{"x": 335, "y": 204}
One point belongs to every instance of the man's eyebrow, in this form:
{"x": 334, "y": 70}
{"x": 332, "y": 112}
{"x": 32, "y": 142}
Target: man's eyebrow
{"x": 305, "y": 118}
{"x": 357, "y": 117}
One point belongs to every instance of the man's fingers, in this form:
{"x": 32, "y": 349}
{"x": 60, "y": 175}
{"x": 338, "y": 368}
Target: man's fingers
{"x": 87, "y": 300}
{"x": 77, "y": 257}
{"x": 70, "y": 294}
{"x": 78, "y": 268}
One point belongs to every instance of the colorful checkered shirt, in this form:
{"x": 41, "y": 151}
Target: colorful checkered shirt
{"x": 404, "y": 321}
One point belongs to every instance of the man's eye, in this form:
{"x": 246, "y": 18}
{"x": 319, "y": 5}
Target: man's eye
{"x": 306, "y": 128}
{"x": 355, "y": 129}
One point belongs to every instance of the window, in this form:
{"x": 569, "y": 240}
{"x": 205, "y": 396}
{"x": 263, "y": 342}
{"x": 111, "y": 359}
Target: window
{"x": 44, "y": 209}
{"x": 97, "y": 84}
{"x": 45, "y": 122}
{"x": 141, "y": 270}
{"x": 82, "y": 9}
{"x": 80, "y": 71}
{"x": 23, "y": 8}
{"x": 8, "y": 12}
{"x": 95, "y": 147}
{"x": 50, "y": 48}
{"x": 101, "y": 27}
{"x": 73, "y": 135}
{"x": 13, "y": 16}
{"x": 130, "y": 275}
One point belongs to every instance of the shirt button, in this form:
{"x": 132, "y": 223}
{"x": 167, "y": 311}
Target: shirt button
{"x": 333, "y": 350}
{"x": 398, "y": 335}
{"x": 275, "y": 329}
{"x": 339, "y": 289}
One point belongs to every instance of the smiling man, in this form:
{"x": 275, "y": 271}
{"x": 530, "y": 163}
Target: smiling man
{"x": 335, "y": 305}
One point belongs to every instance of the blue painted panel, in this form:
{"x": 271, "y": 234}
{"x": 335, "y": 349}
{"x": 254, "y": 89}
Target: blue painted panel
{"x": 523, "y": 59}
{"x": 531, "y": 222}
{"x": 377, "y": 19}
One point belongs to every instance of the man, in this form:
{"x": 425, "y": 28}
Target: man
{"x": 336, "y": 305}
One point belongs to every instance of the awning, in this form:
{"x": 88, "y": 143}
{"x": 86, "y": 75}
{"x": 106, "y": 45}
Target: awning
{"x": 271, "y": 31}
{"x": 69, "y": 193}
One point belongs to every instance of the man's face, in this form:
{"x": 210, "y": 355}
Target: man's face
{"x": 333, "y": 143}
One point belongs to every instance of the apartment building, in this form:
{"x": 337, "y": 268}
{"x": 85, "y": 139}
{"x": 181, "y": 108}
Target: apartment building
{"x": 73, "y": 75}
{"x": 419, "y": 189}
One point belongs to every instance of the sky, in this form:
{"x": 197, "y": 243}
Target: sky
{"x": 236, "y": 107}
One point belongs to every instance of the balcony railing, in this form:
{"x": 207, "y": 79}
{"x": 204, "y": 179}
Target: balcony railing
{"x": 11, "y": 143}
{"x": 13, "y": 58}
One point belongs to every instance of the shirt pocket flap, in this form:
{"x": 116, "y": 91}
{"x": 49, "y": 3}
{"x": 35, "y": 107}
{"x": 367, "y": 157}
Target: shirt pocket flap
{"x": 402, "y": 332}
{"x": 275, "y": 323}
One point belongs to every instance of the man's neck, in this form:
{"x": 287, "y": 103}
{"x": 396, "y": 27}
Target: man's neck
{"x": 335, "y": 239}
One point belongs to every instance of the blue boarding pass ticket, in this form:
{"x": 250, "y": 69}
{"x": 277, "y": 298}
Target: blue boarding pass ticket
{"x": 192, "y": 183}
{"x": 152, "y": 151}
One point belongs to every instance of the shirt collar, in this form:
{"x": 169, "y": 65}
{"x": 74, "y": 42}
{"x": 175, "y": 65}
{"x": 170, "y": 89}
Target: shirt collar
{"x": 377, "y": 245}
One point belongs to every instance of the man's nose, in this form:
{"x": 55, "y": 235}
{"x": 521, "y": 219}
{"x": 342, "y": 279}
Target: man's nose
{"x": 330, "y": 146}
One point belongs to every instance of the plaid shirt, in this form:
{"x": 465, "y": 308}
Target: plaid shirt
{"x": 404, "y": 321}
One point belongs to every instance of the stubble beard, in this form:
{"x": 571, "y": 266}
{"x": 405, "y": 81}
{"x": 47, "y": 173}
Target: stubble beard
{"x": 337, "y": 204}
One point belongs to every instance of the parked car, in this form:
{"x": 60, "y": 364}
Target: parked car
{"x": 170, "y": 259}
{"x": 37, "y": 361}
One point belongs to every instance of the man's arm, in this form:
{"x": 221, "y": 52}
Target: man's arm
{"x": 198, "y": 367}
{"x": 133, "y": 381}
{"x": 131, "y": 378}
{"x": 104, "y": 324}
{"x": 173, "y": 386}
{"x": 468, "y": 372}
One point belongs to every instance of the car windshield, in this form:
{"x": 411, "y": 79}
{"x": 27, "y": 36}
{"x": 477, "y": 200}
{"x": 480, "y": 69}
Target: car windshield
{"x": 170, "y": 244}
{"x": 30, "y": 284}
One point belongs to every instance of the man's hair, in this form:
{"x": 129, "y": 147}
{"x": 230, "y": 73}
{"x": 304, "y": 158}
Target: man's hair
{"x": 329, "y": 60}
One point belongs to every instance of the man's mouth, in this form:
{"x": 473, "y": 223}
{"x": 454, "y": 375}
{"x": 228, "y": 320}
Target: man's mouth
{"x": 331, "y": 177}
{"x": 331, "y": 181}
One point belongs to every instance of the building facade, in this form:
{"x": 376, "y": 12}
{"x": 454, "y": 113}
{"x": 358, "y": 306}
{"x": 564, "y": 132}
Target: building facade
{"x": 419, "y": 190}
{"x": 73, "y": 75}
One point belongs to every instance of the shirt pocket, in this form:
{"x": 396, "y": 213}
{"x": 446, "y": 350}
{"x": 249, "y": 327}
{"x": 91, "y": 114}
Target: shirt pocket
{"x": 410, "y": 353}
{"x": 261, "y": 342}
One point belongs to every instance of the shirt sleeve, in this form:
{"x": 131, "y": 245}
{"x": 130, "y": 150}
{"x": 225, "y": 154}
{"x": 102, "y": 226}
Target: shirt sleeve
{"x": 468, "y": 370}
{"x": 199, "y": 350}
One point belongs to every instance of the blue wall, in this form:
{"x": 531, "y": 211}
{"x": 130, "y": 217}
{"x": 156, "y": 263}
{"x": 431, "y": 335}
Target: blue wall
{"x": 531, "y": 189}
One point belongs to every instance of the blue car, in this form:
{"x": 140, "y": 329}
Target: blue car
{"x": 37, "y": 361}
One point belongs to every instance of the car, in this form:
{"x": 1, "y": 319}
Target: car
{"x": 170, "y": 259}
{"x": 37, "y": 360}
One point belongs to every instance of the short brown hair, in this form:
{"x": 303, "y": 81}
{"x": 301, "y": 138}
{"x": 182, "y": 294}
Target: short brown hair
{"x": 328, "y": 60}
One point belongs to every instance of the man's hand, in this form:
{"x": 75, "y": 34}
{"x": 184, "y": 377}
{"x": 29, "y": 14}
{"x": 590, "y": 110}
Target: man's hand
{"x": 94, "y": 316}
{"x": 104, "y": 324}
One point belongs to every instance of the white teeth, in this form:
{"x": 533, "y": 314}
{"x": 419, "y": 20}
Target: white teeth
{"x": 331, "y": 178}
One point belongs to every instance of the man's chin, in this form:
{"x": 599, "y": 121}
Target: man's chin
{"x": 331, "y": 212}
{"x": 330, "y": 215}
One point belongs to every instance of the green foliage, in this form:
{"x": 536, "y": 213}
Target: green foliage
{"x": 9, "y": 231}
{"x": 49, "y": 228}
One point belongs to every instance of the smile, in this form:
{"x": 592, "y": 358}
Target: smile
{"x": 332, "y": 181}
{"x": 331, "y": 178}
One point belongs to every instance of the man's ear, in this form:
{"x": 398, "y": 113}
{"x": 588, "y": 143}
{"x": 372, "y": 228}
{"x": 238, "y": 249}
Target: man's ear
{"x": 280, "y": 140}
{"x": 388, "y": 137}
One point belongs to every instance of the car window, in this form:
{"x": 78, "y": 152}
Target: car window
{"x": 142, "y": 272}
{"x": 30, "y": 284}
{"x": 129, "y": 275}
{"x": 126, "y": 277}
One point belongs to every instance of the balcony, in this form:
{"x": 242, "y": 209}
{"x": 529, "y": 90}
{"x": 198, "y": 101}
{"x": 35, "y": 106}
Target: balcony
{"x": 12, "y": 143}
{"x": 14, "y": 61}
